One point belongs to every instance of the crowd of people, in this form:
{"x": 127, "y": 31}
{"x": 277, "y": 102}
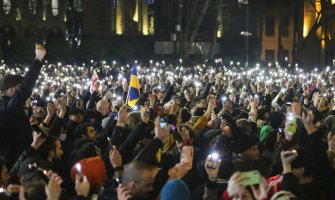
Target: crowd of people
{"x": 211, "y": 131}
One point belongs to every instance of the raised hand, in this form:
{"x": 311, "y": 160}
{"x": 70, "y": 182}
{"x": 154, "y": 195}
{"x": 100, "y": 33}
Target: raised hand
{"x": 160, "y": 133}
{"x": 37, "y": 141}
{"x": 39, "y": 52}
{"x": 288, "y": 156}
{"x": 123, "y": 193}
{"x": 296, "y": 110}
{"x": 212, "y": 172}
{"x": 185, "y": 133}
{"x": 307, "y": 119}
{"x": 115, "y": 157}
{"x": 82, "y": 187}
{"x": 144, "y": 115}
{"x": 53, "y": 190}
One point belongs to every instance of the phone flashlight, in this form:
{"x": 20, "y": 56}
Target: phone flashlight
{"x": 214, "y": 160}
{"x": 110, "y": 143}
{"x": 79, "y": 172}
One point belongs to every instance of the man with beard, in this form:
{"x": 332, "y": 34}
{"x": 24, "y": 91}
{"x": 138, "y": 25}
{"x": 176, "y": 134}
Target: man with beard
{"x": 137, "y": 181}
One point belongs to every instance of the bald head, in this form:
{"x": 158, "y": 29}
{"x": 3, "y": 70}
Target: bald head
{"x": 138, "y": 178}
{"x": 134, "y": 171}
{"x": 102, "y": 107}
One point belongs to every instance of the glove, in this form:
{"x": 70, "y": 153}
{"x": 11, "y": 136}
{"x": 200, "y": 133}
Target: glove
{"x": 40, "y": 52}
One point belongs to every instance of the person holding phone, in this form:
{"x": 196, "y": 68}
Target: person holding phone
{"x": 297, "y": 174}
{"x": 246, "y": 185}
{"x": 16, "y": 134}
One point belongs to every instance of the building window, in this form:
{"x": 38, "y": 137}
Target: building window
{"x": 269, "y": 26}
{"x": 32, "y": 6}
{"x": 54, "y": 7}
{"x": 270, "y": 55}
{"x": 285, "y": 26}
{"x": 77, "y": 5}
{"x": 6, "y": 6}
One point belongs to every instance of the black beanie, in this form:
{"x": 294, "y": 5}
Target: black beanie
{"x": 245, "y": 142}
{"x": 9, "y": 80}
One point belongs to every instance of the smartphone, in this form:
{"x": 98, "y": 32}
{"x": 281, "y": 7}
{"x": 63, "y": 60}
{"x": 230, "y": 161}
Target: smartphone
{"x": 115, "y": 116}
{"x": 251, "y": 178}
{"x": 116, "y": 181}
{"x": 163, "y": 123}
{"x": 292, "y": 127}
{"x": 110, "y": 143}
{"x": 38, "y": 130}
{"x": 214, "y": 160}
{"x": 79, "y": 172}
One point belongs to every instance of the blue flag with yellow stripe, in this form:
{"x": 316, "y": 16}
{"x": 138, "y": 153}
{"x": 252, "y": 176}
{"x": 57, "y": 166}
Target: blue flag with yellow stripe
{"x": 134, "y": 89}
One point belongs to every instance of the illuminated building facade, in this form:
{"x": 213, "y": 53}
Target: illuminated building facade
{"x": 277, "y": 30}
{"x": 119, "y": 17}
{"x": 289, "y": 33}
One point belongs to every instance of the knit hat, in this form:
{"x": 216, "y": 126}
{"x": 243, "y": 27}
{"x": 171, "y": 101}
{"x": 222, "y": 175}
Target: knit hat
{"x": 245, "y": 125}
{"x": 31, "y": 168}
{"x": 175, "y": 190}
{"x": 283, "y": 195}
{"x": 264, "y": 132}
{"x": 276, "y": 119}
{"x": 94, "y": 169}
{"x": 245, "y": 142}
{"x": 10, "y": 80}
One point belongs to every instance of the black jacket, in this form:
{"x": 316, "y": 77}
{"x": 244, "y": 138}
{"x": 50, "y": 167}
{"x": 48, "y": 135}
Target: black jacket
{"x": 15, "y": 130}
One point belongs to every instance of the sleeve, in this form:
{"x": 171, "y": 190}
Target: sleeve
{"x": 56, "y": 126}
{"x": 148, "y": 154}
{"x": 117, "y": 136}
{"x": 291, "y": 183}
{"x": 185, "y": 164}
{"x": 268, "y": 100}
{"x": 159, "y": 181}
{"x": 206, "y": 90}
{"x": 200, "y": 123}
{"x": 131, "y": 141}
{"x": 93, "y": 100}
{"x": 210, "y": 191}
{"x": 168, "y": 95}
{"x": 26, "y": 88}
